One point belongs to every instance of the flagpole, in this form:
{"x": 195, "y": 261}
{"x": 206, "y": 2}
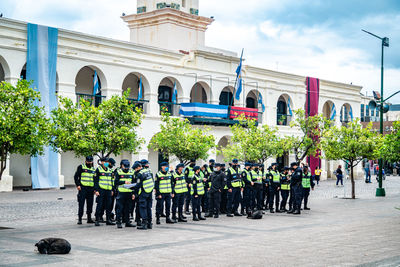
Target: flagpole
{"x": 237, "y": 77}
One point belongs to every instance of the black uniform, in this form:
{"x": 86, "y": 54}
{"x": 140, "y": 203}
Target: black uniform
{"x": 248, "y": 191}
{"x": 234, "y": 197}
{"x": 163, "y": 197}
{"x": 217, "y": 185}
{"x": 285, "y": 190}
{"x": 274, "y": 178}
{"x": 124, "y": 198}
{"x": 86, "y": 193}
{"x": 295, "y": 184}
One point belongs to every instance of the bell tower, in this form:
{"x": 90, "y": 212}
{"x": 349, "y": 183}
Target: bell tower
{"x": 169, "y": 24}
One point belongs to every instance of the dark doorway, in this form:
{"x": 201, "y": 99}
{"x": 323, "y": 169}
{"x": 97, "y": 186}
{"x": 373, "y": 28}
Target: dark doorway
{"x": 165, "y": 98}
{"x": 225, "y": 98}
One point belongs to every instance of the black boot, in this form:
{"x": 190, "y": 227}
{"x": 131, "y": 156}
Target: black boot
{"x": 306, "y": 208}
{"x": 143, "y": 225}
{"x": 129, "y": 224}
{"x": 163, "y": 215}
{"x": 297, "y": 211}
{"x": 237, "y": 214}
{"x": 149, "y": 225}
{"x": 102, "y": 220}
{"x": 109, "y": 222}
{"x": 79, "y": 220}
{"x": 229, "y": 214}
{"x": 169, "y": 221}
{"x": 277, "y": 210}
{"x": 97, "y": 223}
{"x": 174, "y": 219}
{"x": 195, "y": 218}
{"x": 89, "y": 218}
{"x": 208, "y": 215}
{"x": 216, "y": 216}
{"x": 181, "y": 218}
{"x": 119, "y": 224}
{"x": 290, "y": 210}
{"x": 201, "y": 217}
{"x": 158, "y": 220}
{"x": 271, "y": 211}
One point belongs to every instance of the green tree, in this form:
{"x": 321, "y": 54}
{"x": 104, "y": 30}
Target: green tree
{"x": 253, "y": 143}
{"x": 24, "y": 127}
{"x": 312, "y": 129}
{"x": 179, "y": 138}
{"x": 85, "y": 130}
{"x": 390, "y": 149}
{"x": 351, "y": 143}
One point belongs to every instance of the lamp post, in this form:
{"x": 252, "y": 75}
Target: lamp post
{"x": 380, "y": 191}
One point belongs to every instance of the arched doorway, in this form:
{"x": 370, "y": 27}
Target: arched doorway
{"x": 226, "y": 96}
{"x": 223, "y": 142}
{"x": 199, "y": 91}
{"x": 2, "y": 73}
{"x": 22, "y": 75}
{"x": 284, "y": 111}
{"x": 346, "y": 114}
{"x": 252, "y": 100}
{"x": 166, "y": 95}
{"x": 137, "y": 83}
{"x": 84, "y": 85}
{"x": 329, "y": 110}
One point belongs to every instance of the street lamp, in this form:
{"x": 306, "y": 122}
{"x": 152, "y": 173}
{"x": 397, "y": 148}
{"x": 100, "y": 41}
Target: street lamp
{"x": 380, "y": 191}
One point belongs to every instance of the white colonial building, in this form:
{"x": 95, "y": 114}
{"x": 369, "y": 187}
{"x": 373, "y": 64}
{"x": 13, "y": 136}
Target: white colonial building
{"x": 167, "y": 47}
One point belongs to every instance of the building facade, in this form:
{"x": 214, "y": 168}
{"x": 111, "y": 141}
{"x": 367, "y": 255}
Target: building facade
{"x": 200, "y": 74}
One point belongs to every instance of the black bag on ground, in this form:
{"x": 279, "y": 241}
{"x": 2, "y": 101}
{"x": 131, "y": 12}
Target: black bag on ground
{"x": 256, "y": 215}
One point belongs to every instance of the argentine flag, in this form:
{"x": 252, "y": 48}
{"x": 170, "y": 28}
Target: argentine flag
{"x": 175, "y": 94}
{"x": 351, "y": 113}
{"x": 260, "y": 101}
{"x": 140, "y": 95}
{"x": 289, "y": 108}
{"x": 96, "y": 88}
{"x": 333, "y": 112}
{"x": 239, "y": 83}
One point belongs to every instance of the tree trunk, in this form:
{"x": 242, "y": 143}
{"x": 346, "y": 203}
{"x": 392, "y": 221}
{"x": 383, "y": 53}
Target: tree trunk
{"x": 353, "y": 185}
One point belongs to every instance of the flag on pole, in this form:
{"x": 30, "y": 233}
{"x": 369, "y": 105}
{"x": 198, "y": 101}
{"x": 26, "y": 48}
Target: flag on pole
{"x": 333, "y": 112}
{"x": 140, "y": 95}
{"x": 351, "y": 113}
{"x": 175, "y": 94}
{"x": 239, "y": 83}
{"x": 260, "y": 101}
{"x": 289, "y": 108}
{"x": 95, "y": 84}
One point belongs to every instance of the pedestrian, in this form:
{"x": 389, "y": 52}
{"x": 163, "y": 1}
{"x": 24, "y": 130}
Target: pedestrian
{"x": 145, "y": 186}
{"x": 234, "y": 184}
{"x": 214, "y": 193}
{"x": 318, "y": 172}
{"x": 103, "y": 186}
{"x": 339, "y": 175}
{"x": 189, "y": 175}
{"x": 123, "y": 177}
{"x": 285, "y": 188}
{"x": 274, "y": 181}
{"x": 197, "y": 193}
{"x": 367, "y": 173}
{"x": 295, "y": 184}
{"x": 85, "y": 185}
{"x": 306, "y": 184}
{"x": 180, "y": 190}
{"x": 164, "y": 193}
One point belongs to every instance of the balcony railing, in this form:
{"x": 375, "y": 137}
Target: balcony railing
{"x": 283, "y": 119}
{"x": 170, "y": 107}
{"x": 138, "y": 103}
{"x": 93, "y": 100}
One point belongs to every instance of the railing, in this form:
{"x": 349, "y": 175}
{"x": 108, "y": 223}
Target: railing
{"x": 138, "y": 103}
{"x": 283, "y": 119}
{"x": 170, "y": 107}
{"x": 93, "y": 100}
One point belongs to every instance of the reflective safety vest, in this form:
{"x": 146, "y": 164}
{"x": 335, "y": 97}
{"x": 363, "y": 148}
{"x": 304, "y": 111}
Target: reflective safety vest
{"x": 148, "y": 182}
{"x": 285, "y": 185}
{"x": 248, "y": 175}
{"x": 123, "y": 177}
{"x": 276, "y": 176}
{"x": 164, "y": 183}
{"x": 87, "y": 175}
{"x": 256, "y": 177}
{"x": 236, "y": 179}
{"x": 180, "y": 183}
{"x": 105, "y": 178}
{"x": 191, "y": 172}
{"x": 306, "y": 181}
{"x": 200, "y": 186}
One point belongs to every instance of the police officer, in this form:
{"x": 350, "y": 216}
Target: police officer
{"x": 164, "y": 192}
{"x": 111, "y": 166}
{"x": 248, "y": 188}
{"x": 234, "y": 184}
{"x": 103, "y": 186}
{"x": 123, "y": 177}
{"x": 189, "y": 175}
{"x": 180, "y": 190}
{"x": 135, "y": 202}
{"x": 145, "y": 186}
{"x": 224, "y": 193}
{"x": 295, "y": 184}
{"x": 307, "y": 183}
{"x": 274, "y": 178}
{"x": 214, "y": 192}
{"x": 197, "y": 193}
{"x": 256, "y": 178}
{"x": 84, "y": 183}
{"x": 285, "y": 188}
{"x": 205, "y": 176}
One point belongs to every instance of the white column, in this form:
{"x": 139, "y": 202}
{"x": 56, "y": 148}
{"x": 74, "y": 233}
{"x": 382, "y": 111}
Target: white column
{"x": 153, "y": 108}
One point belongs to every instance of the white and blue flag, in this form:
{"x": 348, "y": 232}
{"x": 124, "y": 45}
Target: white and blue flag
{"x": 140, "y": 95}
{"x": 289, "y": 108}
{"x": 260, "y": 101}
{"x": 333, "y": 112}
{"x": 96, "y": 87}
{"x": 239, "y": 82}
{"x": 351, "y": 113}
{"x": 41, "y": 69}
{"x": 174, "y": 94}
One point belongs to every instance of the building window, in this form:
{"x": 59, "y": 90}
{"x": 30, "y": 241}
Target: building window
{"x": 183, "y": 3}
{"x": 175, "y": 6}
{"x": 161, "y": 5}
{"x": 194, "y": 11}
{"x": 362, "y": 113}
{"x": 141, "y": 9}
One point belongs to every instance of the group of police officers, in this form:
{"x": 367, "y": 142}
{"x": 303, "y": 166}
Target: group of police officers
{"x": 212, "y": 189}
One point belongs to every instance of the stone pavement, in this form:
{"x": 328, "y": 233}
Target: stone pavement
{"x": 336, "y": 232}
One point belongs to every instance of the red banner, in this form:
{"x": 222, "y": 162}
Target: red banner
{"x": 251, "y": 113}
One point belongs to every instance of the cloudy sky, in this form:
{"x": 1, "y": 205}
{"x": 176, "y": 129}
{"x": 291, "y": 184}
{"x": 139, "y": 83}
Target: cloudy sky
{"x": 319, "y": 38}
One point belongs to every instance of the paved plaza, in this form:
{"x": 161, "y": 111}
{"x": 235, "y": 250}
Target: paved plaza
{"x": 336, "y": 232}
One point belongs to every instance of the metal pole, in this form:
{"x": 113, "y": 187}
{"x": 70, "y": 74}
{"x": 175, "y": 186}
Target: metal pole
{"x": 380, "y": 191}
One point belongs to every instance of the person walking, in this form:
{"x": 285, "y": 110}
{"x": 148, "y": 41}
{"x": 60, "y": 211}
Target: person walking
{"x": 317, "y": 172}
{"x": 339, "y": 175}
